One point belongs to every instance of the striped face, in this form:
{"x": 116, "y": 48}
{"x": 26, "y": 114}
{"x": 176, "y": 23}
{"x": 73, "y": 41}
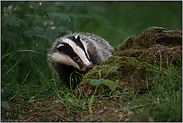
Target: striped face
{"x": 71, "y": 51}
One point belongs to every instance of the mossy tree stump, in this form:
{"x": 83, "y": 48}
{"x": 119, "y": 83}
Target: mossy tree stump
{"x": 136, "y": 57}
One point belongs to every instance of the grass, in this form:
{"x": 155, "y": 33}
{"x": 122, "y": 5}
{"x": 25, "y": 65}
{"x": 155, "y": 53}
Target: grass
{"x": 27, "y": 33}
{"x": 164, "y": 101}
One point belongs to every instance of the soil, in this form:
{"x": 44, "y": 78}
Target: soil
{"x": 135, "y": 56}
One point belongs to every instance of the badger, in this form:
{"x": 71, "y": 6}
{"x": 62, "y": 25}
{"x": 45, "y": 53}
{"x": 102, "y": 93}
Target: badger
{"x": 73, "y": 55}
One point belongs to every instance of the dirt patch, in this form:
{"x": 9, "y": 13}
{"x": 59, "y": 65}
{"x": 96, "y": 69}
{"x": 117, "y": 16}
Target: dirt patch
{"x": 103, "y": 110}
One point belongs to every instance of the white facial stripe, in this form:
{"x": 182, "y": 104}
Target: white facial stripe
{"x": 68, "y": 41}
{"x": 78, "y": 51}
{"x": 60, "y": 45}
{"x": 81, "y": 54}
{"x": 62, "y": 58}
{"x": 85, "y": 46}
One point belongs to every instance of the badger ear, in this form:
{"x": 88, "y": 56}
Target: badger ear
{"x": 74, "y": 38}
{"x": 59, "y": 46}
{"x": 77, "y": 37}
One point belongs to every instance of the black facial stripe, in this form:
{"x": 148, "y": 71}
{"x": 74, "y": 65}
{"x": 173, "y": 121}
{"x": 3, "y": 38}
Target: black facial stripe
{"x": 79, "y": 43}
{"x": 67, "y": 49}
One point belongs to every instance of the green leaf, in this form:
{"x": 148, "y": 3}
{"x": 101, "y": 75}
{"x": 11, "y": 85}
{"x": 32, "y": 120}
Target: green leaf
{"x": 111, "y": 84}
{"x": 41, "y": 36}
{"x": 68, "y": 32}
{"x": 114, "y": 68}
{"x": 46, "y": 21}
{"x": 60, "y": 15}
{"x": 59, "y": 101}
{"x": 53, "y": 33}
{"x": 117, "y": 93}
{"x": 28, "y": 34}
{"x": 4, "y": 104}
{"x": 95, "y": 81}
{"x": 29, "y": 15}
{"x": 35, "y": 31}
{"x": 12, "y": 20}
{"x": 70, "y": 100}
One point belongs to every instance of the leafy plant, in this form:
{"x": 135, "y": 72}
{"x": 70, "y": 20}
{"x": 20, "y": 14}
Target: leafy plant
{"x": 112, "y": 85}
{"x": 109, "y": 83}
{"x": 5, "y": 104}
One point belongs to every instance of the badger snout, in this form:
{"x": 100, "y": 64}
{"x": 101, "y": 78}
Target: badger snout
{"x": 87, "y": 67}
{"x": 90, "y": 66}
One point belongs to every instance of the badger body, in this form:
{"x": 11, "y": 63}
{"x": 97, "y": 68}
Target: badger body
{"x": 73, "y": 55}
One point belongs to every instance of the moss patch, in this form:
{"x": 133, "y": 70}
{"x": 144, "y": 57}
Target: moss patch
{"x": 135, "y": 58}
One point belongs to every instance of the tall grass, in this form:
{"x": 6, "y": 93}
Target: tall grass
{"x": 163, "y": 102}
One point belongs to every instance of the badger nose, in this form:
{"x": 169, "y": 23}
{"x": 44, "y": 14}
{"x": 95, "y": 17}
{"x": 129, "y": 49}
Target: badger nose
{"x": 90, "y": 66}
{"x": 87, "y": 67}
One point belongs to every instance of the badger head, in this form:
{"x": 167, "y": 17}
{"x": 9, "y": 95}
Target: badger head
{"x": 72, "y": 52}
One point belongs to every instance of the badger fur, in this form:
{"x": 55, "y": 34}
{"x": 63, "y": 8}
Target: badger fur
{"x": 77, "y": 53}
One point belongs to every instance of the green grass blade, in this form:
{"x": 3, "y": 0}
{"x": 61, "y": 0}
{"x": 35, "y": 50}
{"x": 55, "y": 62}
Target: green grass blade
{"x": 13, "y": 66}
{"x": 34, "y": 51}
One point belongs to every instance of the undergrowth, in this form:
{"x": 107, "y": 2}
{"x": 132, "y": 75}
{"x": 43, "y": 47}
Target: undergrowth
{"x": 163, "y": 101}
{"x": 28, "y": 30}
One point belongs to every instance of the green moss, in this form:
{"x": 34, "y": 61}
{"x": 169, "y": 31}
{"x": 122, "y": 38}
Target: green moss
{"x": 145, "y": 57}
{"x": 134, "y": 58}
{"x": 127, "y": 43}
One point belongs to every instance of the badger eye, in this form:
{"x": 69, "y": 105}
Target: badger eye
{"x": 76, "y": 59}
{"x": 59, "y": 48}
